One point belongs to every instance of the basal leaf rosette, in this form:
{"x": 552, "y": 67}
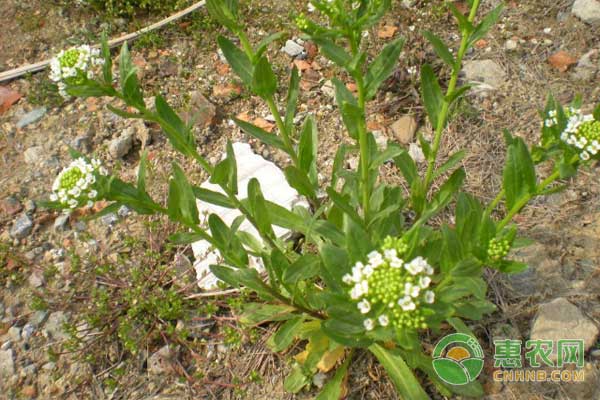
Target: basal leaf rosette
{"x": 582, "y": 132}
{"x": 391, "y": 291}
{"x": 76, "y": 185}
{"x": 74, "y": 67}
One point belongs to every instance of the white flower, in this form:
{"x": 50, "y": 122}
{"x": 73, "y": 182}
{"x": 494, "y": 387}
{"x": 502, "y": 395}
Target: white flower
{"x": 390, "y": 254}
{"x": 411, "y": 290}
{"x": 356, "y": 292}
{"x": 357, "y": 272}
{"x": 93, "y": 194}
{"x": 424, "y": 282}
{"x": 364, "y": 306}
{"x": 368, "y": 271}
{"x": 397, "y": 263}
{"x": 584, "y": 155}
{"x": 368, "y": 324}
{"x": 429, "y": 297}
{"x": 347, "y": 279}
{"x": 383, "y": 320}
{"x": 375, "y": 259}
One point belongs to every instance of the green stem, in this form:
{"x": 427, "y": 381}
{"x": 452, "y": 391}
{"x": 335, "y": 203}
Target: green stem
{"x": 492, "y": 206}
{"x": 439, "y": 129}
{"x": 364, "y": 148}
{"x": 282, "y": 129}
{"x": 246, "y": 44}
{"x": 523, "y": 202}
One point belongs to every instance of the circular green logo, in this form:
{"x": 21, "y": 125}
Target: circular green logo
{"x": 458, "y": 359}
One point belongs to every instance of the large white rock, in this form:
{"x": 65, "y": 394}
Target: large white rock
{"x": 587, "y": 10}
{"x": 275, "y": 189}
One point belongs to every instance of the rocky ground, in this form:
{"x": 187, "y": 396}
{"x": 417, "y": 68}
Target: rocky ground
{"x": 51, "y": 264}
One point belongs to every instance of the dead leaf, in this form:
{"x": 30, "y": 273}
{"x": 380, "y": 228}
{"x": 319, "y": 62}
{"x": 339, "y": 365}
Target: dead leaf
{"x": 311, "y": 49}
{"x": 301, "y": 357}
{"x": 351, "y": 86}
{"x": 99, "y": 206}
{"x": 223, "y": 69}
{"x": 330, "y": 359}
{"x": 562, "y": 60}
{"x": 462, "y": 6}
{"x": 243, "y": 116}
{"x": 227, "y": 90}
{"x": 301, "y": 65}
{"x": 8, "y": 97}
{"x": 387, "y": 32}
{"x": 264, "y": 124}
{"x": 481, "y": 43}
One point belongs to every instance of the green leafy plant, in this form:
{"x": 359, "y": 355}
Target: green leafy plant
{"x": 130, "y": 8}
{"x": 366, "y": 276}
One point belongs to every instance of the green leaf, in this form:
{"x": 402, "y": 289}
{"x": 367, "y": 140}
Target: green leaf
{"x": 467, "y": 267}
{"x": 333, "y": 52}
{"x": 285, "y": 336}
{"x": 141, "y": 178}
{"x": 307, "y": 149}
{"x": 126, "y": 67}
{"x": 482, "y": 29}
{"x": 513, "y": 267}
{"x": 123, "y": 114}
{"x": 292, "y": 99}
{"x": 259, "y": 209}
{"x": 244, "y": 276}
{"x": 464, "y": 24}
{"x": 177, "y": 132}
{"x": 228, "y": 243}
{"x": 457, "y": 93}
{"x": 382, "y": 67}
{"x": 305, "y": 267}
{"x": 299, "y": 181}
{"x": 335, "y": 265}
{"x": 254, "y": 314}
{"x": 184, "y": 238}
{"x": 260, "y": 134}
{"x": 596, "y": 113}
{"x": 407, "y": 385}
{"x": 344, "y": 204}
{"x": 182, "y": 202}
{"x": 225, "y": 12}
{"x": 333, "y": 389}
{"x": 519, "y": 178}
{"x": 264, "y": 81}
{"x": 107, "y": 66}
{"x": 211, "y": 197}
{"x": 296, "y": 380}
{"x": 440, "y": 48}
{"x": 88, "y": 89}
{"x": 431, "y": 94}
{"x": 263, "y": 44}
{"x": 239, "y": 61}
{"x": 391, "y": 151}
{"x": 132, "y": 91}
{"x": 225, "y": 173}
{"x": 407, "y": 166}
{"x": 452, "y": 161}
{"x": 344, "y": 96}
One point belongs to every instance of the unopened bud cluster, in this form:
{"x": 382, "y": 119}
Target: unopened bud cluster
{"x": 75, "y": 186}
{"x": 390, "y": 291}
{"x": 498, "y": 249}
{"x": 74, "y": 66}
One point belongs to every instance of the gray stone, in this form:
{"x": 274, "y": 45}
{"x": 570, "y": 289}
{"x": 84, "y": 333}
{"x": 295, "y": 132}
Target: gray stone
{"x": 27, "y": 332}
{"x": 60, "y": 223}
{"x": 21, "y": 227}
{"x": 416, "y": 153}
{"x": 328, "y": 89}
{"x": 587, "y": 66}
{"x": 560, "y": 319}
{"x": 404, "y": 129}
{"x": 31, "y": 117}
{"x": 36, "y": 279}
{"x": 161, "y": 361}
{"x": 33, "y": 155}
{"x": 14, "y": 333}
{"x": 587, "y": 10}
{"x": 201, "y": 112}
{"x": 54, "y": 326}
{"x": 38, "y": 318}
{"x": 81, "y": 143}
{"x": 486, "y": 74}
{"x": 30, "y": 206}
{"x": 123, "y": 211}
{"x": 7, "y": 363}
{"x": 292, "y": 49}
{"x": 510, "y": 44}
{"x": 120, "y": 146}
{"x": 109, "y": 219}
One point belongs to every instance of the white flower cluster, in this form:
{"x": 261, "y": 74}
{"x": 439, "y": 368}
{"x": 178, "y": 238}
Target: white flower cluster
{"x": 74, "y": 185}
{"x": 582, "y": 132}
{"x": 74, "y": 66}
{"x": 391, "y": 289}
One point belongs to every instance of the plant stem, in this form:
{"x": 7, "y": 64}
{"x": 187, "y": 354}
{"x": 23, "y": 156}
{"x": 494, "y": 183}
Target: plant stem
{"x": 492, "y": 206}
{"x": 364, "y": 148}
{"x": 282, "y": 129}
{"x": 521, "y": 203}
{"x": 443, "y": 116}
